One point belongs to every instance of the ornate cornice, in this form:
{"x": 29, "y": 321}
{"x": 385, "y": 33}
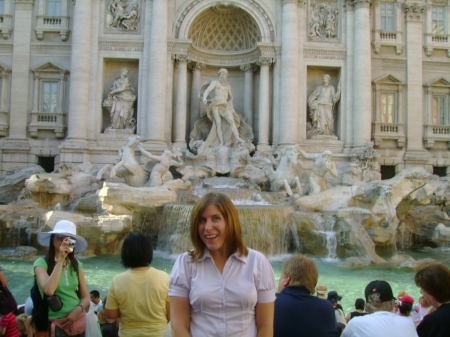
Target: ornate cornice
{"x": 118, "y": 45}
{"x": 24, "y": 1}
{"x": 48, "y": 48}
{"x": 178, "y": 46}
{"x": 196, "y": 66}
{"x": 248, "y": 67}
{"x": 414, "y": 11}
{"x": 224, "y": 59}
{"x": 284, "y": 2}
{"x": 399, "y": 61}
{"x": 324, "y": 54}
{"x": 361, "y": 3}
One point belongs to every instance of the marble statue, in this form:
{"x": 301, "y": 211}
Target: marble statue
{"x": 321, "y": 104}
{"x": 160, "y": 173}
{"x": 131, "y": 18}
{"x": 322, "y": 165}
{"x": 285, "y": 176}
{"x": 128, "y": 167}
{"x": 120, "y": 102}
{"x": 219, "y": 100}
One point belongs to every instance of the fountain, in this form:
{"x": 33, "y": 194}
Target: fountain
{"x": 330, "y": 211}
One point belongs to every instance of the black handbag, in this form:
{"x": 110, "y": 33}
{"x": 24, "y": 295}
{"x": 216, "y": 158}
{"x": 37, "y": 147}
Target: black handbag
{"x": 7, "y": 301}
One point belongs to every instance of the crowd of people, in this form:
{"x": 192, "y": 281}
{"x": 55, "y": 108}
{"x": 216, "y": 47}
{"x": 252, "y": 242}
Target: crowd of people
{"x": 219, "y": 288}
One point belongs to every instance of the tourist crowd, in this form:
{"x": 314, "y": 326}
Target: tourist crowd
{"x": 219, "y": 288}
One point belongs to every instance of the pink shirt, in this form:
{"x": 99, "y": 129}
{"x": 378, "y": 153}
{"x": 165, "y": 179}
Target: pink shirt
{"x": 223, "y": 304}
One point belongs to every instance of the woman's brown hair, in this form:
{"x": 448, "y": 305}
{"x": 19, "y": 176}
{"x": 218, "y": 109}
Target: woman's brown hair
{"x": 229, "y": 212}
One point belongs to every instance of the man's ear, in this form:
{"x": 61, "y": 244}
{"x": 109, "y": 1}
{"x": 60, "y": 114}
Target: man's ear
{"x": 287, "y": 280}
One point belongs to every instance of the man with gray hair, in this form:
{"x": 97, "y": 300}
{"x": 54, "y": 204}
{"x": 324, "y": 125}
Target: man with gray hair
{"x": 382, "y": 321}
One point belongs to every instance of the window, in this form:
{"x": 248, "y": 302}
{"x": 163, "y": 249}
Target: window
{"x": 439, "y": 110}
{"x": 49, "y": 96}
{"x": 440, "y": 171}
{"x": 388, "y": 108}
{"x": 47, "y": 163}
{"x": 2, "y": 7}
{"x": 54, "y": 7}
{"x": 387, "y": 16}
{"x": 387, "y": 171}
{"x": 438, "y": 20}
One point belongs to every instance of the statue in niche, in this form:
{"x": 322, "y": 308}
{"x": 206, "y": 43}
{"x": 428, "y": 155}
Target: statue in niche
{"x": 321, "y": 105}
{"x": 121, "y": 14}
{"x": 322, "y": 165}
{"x": 323, "y": 21}
{"x": 221, "y": 112}
{"x": 120, "y": 103}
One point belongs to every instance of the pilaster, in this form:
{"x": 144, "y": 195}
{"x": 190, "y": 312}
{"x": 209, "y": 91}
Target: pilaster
{"x": 414, "y": 14}
{"x": 180, "y": 115}
{"x": 248, "y": 70}
{"x": 196, "y": 68}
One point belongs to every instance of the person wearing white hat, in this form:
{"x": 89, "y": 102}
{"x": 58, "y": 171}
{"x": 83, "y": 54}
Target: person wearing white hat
{"x": 59, "y": 273}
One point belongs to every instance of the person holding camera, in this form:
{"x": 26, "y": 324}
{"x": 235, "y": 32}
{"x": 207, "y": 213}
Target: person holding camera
{"x": 61, "y": 277}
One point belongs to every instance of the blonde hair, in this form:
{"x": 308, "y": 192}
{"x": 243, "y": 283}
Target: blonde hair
{"x": 302, "y": 271}
{"x": 229, "y": 212}
{"x": 24, "y": 319}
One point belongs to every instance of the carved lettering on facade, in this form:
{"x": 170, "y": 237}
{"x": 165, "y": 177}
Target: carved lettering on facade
{"x": 324, "y": 54}
{"x": 121, "y": 46}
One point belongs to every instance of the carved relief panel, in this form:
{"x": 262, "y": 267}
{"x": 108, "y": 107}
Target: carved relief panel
{"x": 323, "y": 23}
{"x": 123, "y": 16}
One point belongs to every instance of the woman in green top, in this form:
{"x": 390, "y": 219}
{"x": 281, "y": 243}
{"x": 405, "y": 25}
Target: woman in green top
{"x": 61, "y": 274}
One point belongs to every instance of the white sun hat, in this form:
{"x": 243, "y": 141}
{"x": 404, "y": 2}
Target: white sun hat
{"x": 67, "y": 228}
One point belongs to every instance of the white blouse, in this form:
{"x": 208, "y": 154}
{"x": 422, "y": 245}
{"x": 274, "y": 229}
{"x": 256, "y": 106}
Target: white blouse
{"x": 223, "y": 304}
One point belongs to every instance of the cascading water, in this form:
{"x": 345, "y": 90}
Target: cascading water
{"x": 266, "y": 227}
{"x": 325, "y": 226}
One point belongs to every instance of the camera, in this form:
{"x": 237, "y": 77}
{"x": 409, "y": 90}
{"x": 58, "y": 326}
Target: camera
{"x": 72, "y": 244}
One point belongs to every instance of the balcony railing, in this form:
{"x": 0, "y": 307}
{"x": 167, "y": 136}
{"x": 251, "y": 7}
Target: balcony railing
{"x": 388, "y": 131}
{"x": 439, "y": 38}
{"x": 52, "y": 24}
{"x": 47, "y": 121}
{"x": 436, "y": 133}
{"x": 52, "y": 21}
{"x": 388, "y": 36}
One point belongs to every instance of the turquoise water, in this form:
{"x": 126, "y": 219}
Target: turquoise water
{"x": 348, "y": 282}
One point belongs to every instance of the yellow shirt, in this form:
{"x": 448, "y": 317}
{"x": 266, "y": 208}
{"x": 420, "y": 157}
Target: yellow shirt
{"x": 141, "y": 297}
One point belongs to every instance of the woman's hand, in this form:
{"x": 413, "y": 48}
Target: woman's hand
{"x": 67, "y": 321}
{"x": 64, "y": 249}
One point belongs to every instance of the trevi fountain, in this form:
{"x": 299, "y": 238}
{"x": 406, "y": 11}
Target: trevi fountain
{"x": 291, "y": 108}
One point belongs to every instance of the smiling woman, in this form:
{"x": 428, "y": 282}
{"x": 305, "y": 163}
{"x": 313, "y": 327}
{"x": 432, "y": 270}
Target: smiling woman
{"x": 221, "y": 287}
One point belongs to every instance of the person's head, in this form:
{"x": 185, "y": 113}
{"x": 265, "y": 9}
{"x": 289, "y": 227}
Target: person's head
{"x": 23, "y": 324}
{"x": 63, "y": 229}
{"x": 326, "y": 79}
{"x": 379, "y": 296}
{"x": 423, "y": 302}
{"x": 136, "y": 251}
{"x": 405, "y": 305}
{"x": 95, "y": 296}
{"x": 123, "y": 72}
{"x": 225, "y": 224}
{"x": 321, "y": 291}
{"x": 360, "y": 304}
{"x": 223, "y": 74}
{"x": 327, "y": 154}
{"x": 434, "y": 283}
{"x": 402, "y": 293}
{"x": 334, "y": 297}
{"x": 299, "y": 271}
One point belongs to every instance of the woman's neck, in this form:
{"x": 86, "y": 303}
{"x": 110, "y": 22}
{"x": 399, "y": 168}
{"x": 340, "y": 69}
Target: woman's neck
{"x": 140, "y": 268}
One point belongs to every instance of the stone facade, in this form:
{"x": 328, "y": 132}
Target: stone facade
{"x": 59, "y": 58}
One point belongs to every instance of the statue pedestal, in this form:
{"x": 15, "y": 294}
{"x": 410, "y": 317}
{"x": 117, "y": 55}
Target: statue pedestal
{"x": 319, "y": 143}
{"x": 324, "y": 137}
{"x": 128, "y": 132}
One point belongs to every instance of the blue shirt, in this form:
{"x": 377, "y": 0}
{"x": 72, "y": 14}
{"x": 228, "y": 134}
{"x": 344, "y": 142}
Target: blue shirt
{"x": 298, "y": 314}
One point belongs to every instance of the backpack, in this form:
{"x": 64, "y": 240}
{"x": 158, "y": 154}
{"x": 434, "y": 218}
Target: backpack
{"x": 39, "y": 313}
{"x": 8, "y": 303}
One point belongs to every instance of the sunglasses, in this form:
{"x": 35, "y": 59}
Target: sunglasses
{"x": 60, "y": 237}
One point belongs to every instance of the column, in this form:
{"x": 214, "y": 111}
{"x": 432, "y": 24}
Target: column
{"x": 20, "y": 70}
{"x": 264, "y": 107}
{"x": 36, "y": 97}
{"x": 196, "y": 68}
{"x": 80, "y": 72}
{"x": 414, "y": 93}
{"x": 180, "y": 114}
{"x": 248, "y": 91}
{"x": 289, "y": 70}
{"x": 362, "y": 74}
{"x": 155, "y": 126}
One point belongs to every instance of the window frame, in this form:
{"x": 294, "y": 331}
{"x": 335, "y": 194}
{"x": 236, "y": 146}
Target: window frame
{"x": 392, "y": 17}
{"x": 51, "y": 93}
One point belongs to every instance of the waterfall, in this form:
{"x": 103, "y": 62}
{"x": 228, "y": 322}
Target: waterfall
{"x": 268, "y": 229}
{"x": 325, "y": 226}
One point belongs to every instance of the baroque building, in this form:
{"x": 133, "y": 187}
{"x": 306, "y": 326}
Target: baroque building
{"x": 77, "y": 77}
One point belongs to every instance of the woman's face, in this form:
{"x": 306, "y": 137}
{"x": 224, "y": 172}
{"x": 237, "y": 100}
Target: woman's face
{"x": 212, "y": 229}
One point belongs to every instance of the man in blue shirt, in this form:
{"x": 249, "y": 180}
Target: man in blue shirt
{"x": 297, "y": 312}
